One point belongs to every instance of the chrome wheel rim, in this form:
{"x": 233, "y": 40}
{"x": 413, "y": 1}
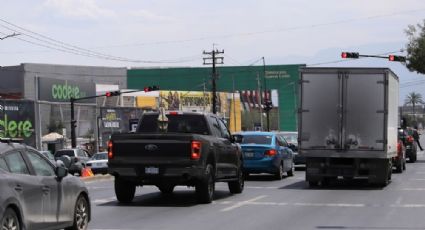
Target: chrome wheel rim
{"x": 81, "y": 214}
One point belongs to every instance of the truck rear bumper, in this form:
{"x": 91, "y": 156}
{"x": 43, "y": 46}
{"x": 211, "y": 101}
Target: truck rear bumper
{"x": 153, "y": 175}
{"x": 345, "y": 167}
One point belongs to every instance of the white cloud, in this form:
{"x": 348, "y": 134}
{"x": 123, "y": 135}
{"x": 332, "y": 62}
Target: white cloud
{"x": 78, "y": 9}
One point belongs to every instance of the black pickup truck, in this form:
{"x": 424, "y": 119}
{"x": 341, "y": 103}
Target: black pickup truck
{"x": 175, "y": 148}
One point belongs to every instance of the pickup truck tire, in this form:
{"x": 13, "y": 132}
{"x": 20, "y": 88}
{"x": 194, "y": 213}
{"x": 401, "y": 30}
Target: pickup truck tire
{"x": 166, "y": 188}
{"x": 124, "y": 190}
{"x": 236, "y": 187}
{"x": 206, "y": 186}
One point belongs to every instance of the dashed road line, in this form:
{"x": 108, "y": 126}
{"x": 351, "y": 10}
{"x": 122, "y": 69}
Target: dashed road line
{"x": 242, "y": 203}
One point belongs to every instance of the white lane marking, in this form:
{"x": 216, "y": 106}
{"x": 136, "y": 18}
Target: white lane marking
{"x": 329, "y": 205}
{"x": 408, "y": 206}
{"x": 105, "y": 200}
{"x": 242, "y": 203}
{"x": 413, "y": 189}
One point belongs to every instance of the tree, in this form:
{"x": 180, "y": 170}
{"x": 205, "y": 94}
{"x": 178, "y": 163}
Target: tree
{"x": 413, "y": 99}
{"x": 416, "y": 48}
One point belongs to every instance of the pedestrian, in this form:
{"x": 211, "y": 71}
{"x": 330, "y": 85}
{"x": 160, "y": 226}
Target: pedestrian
{"x": 416, "y": 137}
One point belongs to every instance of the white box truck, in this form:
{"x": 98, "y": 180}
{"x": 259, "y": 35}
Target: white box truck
{"x": 348, "y": 120}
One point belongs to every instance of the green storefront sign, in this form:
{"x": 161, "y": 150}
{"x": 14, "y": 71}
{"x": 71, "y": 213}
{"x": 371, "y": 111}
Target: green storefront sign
{"x": 17, "y": 120}
{"x": 56, "y": 90}
{"x": 282, "y": 78}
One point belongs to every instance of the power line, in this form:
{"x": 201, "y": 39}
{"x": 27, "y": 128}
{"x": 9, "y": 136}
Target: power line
{"x": 232, "y": 35}
{"x": 68, "y": 48}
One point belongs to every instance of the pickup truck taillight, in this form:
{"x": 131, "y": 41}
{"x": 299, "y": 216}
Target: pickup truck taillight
{"x": 110, "y": 153}
{"x": 270, "y": 152}
{"x": 195, "y": 150}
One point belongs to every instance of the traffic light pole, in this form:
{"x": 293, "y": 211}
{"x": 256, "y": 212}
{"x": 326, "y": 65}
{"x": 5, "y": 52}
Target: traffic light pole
{"x": 73, "y": 138}
{"x": 73, "y": 100}
{"x": 266, "y": 96}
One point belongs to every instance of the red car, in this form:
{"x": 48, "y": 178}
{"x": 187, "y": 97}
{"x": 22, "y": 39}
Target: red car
{"x": 399, "y": 161}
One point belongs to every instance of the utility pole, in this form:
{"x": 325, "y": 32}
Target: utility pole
{"x": 214, "y": 60}
{"x": 266, "y": 95}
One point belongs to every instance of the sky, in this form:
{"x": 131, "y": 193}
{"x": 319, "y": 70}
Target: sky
{"x": 160, "y": 33}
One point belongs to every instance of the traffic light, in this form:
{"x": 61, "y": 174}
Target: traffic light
{"x": 350, "y": 55}
{"x": 151, "y": 88}
{"x": 268, "y": 105}
{"x": 397, "y": 58}
{"x": 112, "y": 93}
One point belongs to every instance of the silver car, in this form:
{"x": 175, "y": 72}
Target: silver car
{"x": 36, "y": 194}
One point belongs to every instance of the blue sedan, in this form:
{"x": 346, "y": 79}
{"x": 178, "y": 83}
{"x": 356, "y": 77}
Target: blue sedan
{"x": 265, "y": 152}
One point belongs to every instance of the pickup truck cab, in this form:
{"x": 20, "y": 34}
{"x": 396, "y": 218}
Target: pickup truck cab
{"x": 176, "y": 148}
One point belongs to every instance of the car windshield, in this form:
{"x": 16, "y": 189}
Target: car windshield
{"x": 64, "y": 153}
{"x": 100, "y": 156}
{"x": 257, "y": 139}
{"x": 291, "y": 138}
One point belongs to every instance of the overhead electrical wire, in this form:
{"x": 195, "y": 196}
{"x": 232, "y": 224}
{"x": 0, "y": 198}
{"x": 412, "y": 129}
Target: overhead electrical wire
{"x": 50, "y": 43}
{"x": 232, "y": 35}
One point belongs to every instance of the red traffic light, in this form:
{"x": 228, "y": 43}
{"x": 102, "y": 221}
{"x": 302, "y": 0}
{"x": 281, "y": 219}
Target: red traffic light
{"x": 350, "y": 55}
{"x": 151, "y": 88}
{"x": 396, "y": 58}
{"x": 113, "y": 93}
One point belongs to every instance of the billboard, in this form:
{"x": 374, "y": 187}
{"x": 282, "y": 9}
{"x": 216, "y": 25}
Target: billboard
{"x": 17, "y": 120}
{"x": 57, "y": 90}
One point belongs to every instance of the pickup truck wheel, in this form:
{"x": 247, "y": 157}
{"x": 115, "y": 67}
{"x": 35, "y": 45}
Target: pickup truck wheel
{"x": 124, "y": 190}
{"x": 279, "y": 173}
{"x": 205, "y": 187}
{"x": 166, "y": 189}
{"x": 236, "y": 187}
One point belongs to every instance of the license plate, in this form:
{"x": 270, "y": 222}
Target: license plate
{"x": 98, "y": 164}
{"x": 249, "y": 154}
{"x": 151, "y": 170}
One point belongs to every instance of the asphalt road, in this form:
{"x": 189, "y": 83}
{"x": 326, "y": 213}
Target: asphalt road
{"x": 270, "y": 204}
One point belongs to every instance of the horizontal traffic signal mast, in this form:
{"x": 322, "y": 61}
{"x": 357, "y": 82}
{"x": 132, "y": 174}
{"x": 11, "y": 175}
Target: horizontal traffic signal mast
{"x": 107, "y": 94}
{"x": 357, "y": 55}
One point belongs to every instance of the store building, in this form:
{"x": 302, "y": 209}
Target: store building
{"x": 48, "y": 89}
{"x": 280, "y": 81}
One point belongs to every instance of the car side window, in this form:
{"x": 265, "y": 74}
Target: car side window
{"x": 223, "y": 129}
{"x": 282, "y": 141}
{"x": 81, "y": 153}
{"x": 215, "y": 127}
{"x": 40, "y": 165}
{"x": 3, "y": 165}
{"x": 16, "y": 163}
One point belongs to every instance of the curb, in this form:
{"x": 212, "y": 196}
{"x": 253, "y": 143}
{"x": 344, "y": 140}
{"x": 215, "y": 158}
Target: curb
{"x": 97, "y": 177}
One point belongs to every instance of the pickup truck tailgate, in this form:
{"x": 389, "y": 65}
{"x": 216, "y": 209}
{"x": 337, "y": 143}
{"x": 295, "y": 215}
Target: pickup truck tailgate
{"x": 152, "y": 148}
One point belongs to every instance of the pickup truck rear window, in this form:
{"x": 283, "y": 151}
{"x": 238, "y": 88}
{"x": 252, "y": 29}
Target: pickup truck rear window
{"x": 182, "y": 123}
